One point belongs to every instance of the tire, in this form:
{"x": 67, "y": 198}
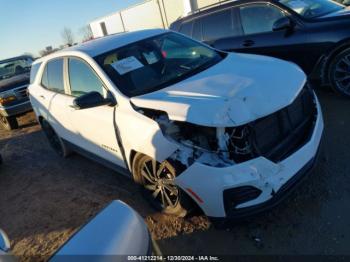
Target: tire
{"x": 157, "y": 180}
{"x": 55, "y": 141}
{"x": 339, "y": 73}
{"x": 9, "y": 122}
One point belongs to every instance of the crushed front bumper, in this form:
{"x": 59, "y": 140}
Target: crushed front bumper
{"x": 207, "y": 184}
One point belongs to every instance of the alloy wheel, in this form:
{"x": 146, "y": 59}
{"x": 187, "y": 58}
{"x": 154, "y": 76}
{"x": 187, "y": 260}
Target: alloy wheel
{"x": 342, "y": 74}
{"x": 159, "y": 179}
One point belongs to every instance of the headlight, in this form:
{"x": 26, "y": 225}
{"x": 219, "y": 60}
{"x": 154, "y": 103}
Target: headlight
{"x": 7, "y": 97}
{"x": 233, "y": 144}
{"x": 200, "y": 137}
{"x": 230, "y": 145}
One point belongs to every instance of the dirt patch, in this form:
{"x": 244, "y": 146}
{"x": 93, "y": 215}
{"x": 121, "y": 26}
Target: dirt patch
{"x": 162, "y": 226}
{"x": 44, "y": 199}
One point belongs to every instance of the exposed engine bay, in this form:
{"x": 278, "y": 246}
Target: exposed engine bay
{"x": 275, "y": 136}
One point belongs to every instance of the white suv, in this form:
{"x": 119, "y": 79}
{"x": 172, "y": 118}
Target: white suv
{"x": 229, "y": 132}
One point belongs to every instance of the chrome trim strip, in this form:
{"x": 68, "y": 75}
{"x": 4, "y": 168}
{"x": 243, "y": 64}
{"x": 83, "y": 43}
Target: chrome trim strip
{"x": 9, "y": 107}
{"x": 14, "y": 89}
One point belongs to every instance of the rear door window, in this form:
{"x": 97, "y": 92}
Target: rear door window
{"x": 53, "y": 76}
{"x": 217, "y": 25}
{"x": 44, "y": 80}
{"x": 186, "y": 28}
{"x": 34, "y": 71}
{"x": 197, "y": 30}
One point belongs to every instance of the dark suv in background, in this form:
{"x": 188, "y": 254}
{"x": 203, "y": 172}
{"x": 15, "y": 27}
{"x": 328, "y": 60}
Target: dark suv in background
{"x": 14, "y": 80}
{"x": 315, "y": 34}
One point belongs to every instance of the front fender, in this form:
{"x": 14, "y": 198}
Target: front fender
{"x": 143, "y": 135}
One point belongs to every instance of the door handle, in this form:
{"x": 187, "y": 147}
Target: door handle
{"x": 42, "y": 97}
{"x": 248, "y": 43}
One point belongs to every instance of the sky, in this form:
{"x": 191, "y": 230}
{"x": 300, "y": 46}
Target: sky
{"x": 27, "y": 26}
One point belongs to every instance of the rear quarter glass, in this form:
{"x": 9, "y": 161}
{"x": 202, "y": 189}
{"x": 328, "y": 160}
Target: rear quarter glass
{"x": 34, "y": 71}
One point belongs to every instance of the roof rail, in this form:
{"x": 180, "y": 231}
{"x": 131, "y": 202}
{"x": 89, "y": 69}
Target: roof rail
{"x": 221, "y": 2}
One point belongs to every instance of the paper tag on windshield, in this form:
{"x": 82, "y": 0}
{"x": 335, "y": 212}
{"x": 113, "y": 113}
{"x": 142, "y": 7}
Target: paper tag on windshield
{"x": 151, "y": 58}
{"x": 127, "y": 65}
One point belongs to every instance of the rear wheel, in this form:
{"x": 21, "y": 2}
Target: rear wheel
{"x": 339, "y": 73}
{"x": 157, "y": 180}
{"x": 55, "y": 141}
{"x": 9, "y": 122}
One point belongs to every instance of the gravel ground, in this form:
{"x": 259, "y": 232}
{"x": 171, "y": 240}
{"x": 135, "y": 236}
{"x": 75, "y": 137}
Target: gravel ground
{"x": 45, "y": 199}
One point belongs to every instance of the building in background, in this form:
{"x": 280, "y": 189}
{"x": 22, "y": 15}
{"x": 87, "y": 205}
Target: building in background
{"x": 149, "y": 14}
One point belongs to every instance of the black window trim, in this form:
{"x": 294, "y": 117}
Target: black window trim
{"x": 66, "y": 73}
{"x": 199, "y": 21}
{"x": 187, "y": 22}
{"x": 200, "y": 16}
{"x": 37, "y": 74}
{"x": 45, "y": 70}
{"x": 104, "y": 28}
{"x": 235, "y": 22}
{"x": 42, "y": 75}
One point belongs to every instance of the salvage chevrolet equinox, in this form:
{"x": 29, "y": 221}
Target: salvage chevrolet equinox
{"x": 230, "y": 133}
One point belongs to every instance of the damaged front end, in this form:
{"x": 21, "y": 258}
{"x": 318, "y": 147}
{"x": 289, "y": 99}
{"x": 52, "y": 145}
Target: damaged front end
{"x": 274, "y": 137}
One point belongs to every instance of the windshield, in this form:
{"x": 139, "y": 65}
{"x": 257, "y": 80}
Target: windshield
{"x": 312, "y": 8}
{"x": 154, "y": 63}
{"x": 10, "y": 68}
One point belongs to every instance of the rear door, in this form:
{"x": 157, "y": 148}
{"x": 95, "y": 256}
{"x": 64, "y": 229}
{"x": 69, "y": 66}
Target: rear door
{"x": 51, "y": 101}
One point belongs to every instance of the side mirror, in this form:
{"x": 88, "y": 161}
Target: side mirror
{"x": 93, "y": 99}
{"x": 4, "y": 242}
{"x": 283, "y": 23}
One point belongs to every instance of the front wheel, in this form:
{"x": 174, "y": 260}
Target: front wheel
{"x": 339, "y": 73}
{"x": 157, "y": 180}
{"x": 9, "y": 122}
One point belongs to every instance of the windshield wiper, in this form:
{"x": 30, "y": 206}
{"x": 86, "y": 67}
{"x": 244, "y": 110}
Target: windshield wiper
{"x": 185, "y": 67}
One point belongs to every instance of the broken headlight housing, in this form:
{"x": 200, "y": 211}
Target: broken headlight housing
{"x": 190, "y": 135}
{"x": 233, "y": 144}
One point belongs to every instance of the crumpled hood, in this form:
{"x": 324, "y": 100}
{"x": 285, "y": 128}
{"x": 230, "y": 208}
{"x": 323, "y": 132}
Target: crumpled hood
{"x": 236, "y": 91}
{"x": 14, "y": 81}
